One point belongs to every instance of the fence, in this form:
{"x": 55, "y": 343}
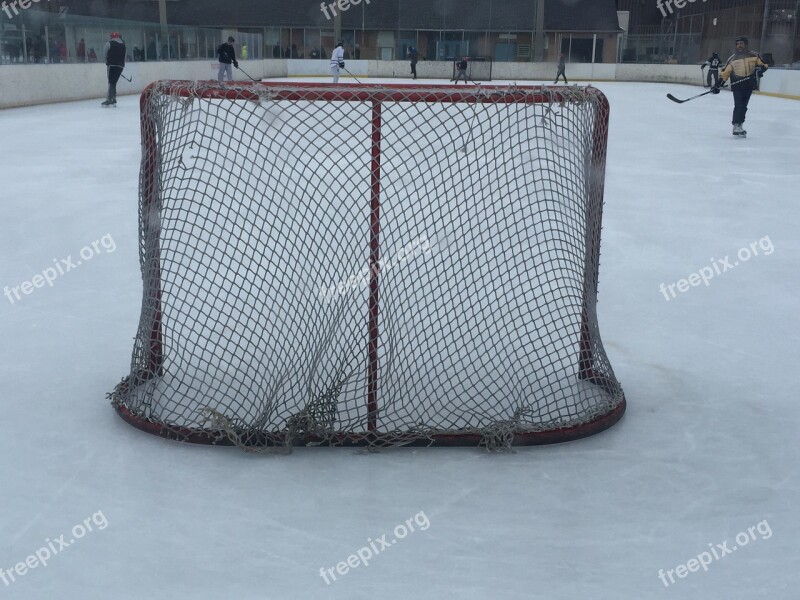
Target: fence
{"x": 34, "y": 36}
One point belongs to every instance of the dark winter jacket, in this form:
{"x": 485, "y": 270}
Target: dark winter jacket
{"x": 227, "y": 54}
{"x": 414, "y": 56}
{"x": 115, "y": 53}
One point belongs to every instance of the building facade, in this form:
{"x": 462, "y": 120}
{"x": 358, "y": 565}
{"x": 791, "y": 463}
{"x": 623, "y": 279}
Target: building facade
{"x": 501, "y": 30}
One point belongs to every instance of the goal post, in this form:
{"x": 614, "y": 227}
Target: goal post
{"x": 370, "y": 264}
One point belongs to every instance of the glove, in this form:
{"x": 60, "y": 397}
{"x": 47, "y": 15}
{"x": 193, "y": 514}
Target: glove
{"x": 716, "y": 88}
{"x": 341, "y": 64}
{"x": 761, "y": 70}
{"x": 236, "y": 64}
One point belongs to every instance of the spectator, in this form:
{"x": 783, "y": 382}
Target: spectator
{"x": 92, "y": 55}
{"x": 81, "y": 51}
{"x": 357, "y": 52}
{"x": 39, "y": 49}
{"x": 54, "y": 57}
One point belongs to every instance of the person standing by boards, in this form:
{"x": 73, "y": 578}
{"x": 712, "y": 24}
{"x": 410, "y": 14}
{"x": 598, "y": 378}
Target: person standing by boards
{"x": 114, "y": 52}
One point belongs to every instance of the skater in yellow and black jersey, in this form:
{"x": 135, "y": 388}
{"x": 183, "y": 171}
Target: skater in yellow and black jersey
{"x": 744, "y": 69}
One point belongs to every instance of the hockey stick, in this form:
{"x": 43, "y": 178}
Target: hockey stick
{"x": 250, "y": 77}
{"x": 674, "y": 99}
{"x": 108, "y": 71}
{"x": 351, "y": 75}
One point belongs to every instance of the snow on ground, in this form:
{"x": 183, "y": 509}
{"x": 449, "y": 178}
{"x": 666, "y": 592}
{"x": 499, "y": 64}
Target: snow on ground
{"x": 707, "y": 450}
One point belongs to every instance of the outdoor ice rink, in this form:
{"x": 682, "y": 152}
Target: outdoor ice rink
{"x": 705, "y": 460}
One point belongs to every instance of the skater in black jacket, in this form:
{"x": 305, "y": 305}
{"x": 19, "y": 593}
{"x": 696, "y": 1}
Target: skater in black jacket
{"x": 413, "y": 55}
{"x": 226, "y": 55}
{"x": 114, "y": 52}
{"x": 713, "y": 63}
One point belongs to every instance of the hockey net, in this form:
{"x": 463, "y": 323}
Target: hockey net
{"x": 370, "y": 265}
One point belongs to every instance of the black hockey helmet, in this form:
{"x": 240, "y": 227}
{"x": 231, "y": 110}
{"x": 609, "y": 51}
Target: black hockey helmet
{"x": 340, "y": 43}
{"x": 742, "y": 38}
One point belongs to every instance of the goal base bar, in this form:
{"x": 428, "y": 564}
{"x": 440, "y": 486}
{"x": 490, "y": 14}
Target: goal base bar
{"x": 278, "y": 439}
{"x": 211, "y": 437}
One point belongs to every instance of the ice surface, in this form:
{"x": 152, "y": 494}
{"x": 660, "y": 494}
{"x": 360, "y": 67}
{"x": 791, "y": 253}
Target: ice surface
{"x": 708, "y": 447}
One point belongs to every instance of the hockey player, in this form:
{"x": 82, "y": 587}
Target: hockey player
{"x": 226, "y": 55}
{"x": 561, "y": 68}
{"x": 743, "y": 68}
{"x": 713, "y": 64}
{"x": 337, "y": 60}
{"x": 114, "y": 52}
{"x": 413, "y": 56}
{"x": 462, "y": 70}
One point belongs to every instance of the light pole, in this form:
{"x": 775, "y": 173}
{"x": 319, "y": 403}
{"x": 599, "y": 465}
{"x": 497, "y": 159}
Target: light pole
{"x": 162, "y": 15}
{"x": 539, "y": 32}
